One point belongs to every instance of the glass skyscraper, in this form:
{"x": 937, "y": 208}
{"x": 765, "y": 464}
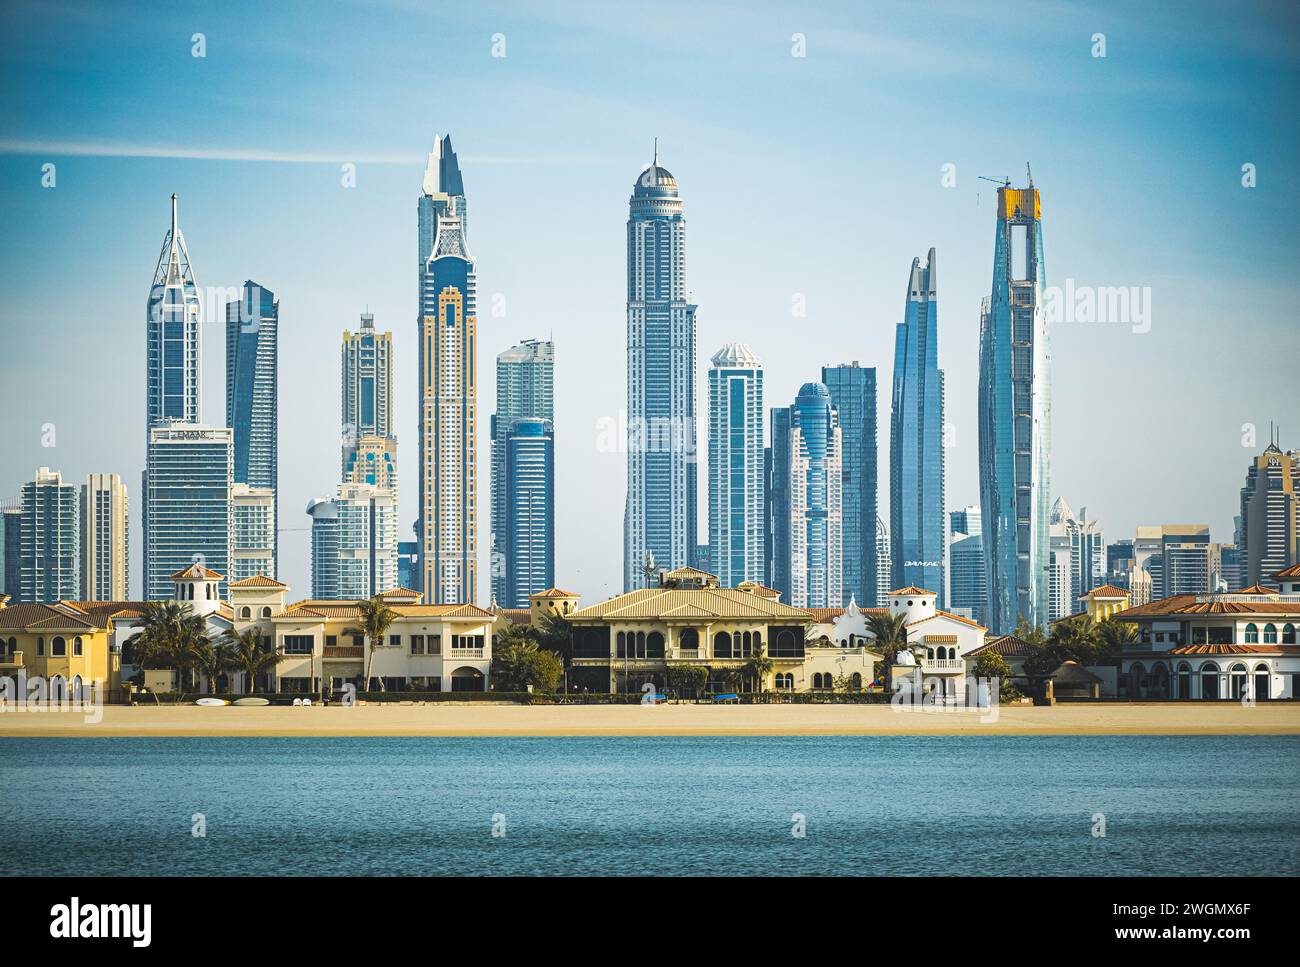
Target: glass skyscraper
{"x": 104, "y": 560}
{"x": 1015, "y": 417}
{"x": 367, "y": 370}
{"x": 736, "y": 530}
{"x": 186, "y": 503}
{"x": 967, "y": 584}
{"x": 529, "y": 492}
{"x": 447, "y": 527}
{"x": 51, "y": 540}
{"x": 660, "y": 517}
{"x": 525, "y": 383}
{"x": 252, "y": 391}
{"x": 916, "y": 460}
{"x": 173, "y": 371}
{"x": 253, "y": 531}
{"x": 810, "y": 462}
{"x": 353, "y": 543}
{"x": 853, "y": 394}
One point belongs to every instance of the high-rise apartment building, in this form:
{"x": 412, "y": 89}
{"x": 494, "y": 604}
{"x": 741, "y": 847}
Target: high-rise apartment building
{"x": 448, "y": 363}
{"x": 253, "y": 531}
{"x": 11, "y": 548}
{"x": 529, "y": 521}
{"x": 353, "y": 543}
{"x": 252, "y": 390}
{"x": 105, "y": 566}
{"x": 1270, "y": 515}
{"x": 51, "y": 540}
{"x": 525, "y": 388}
{"x": 853, "y": 394}
{"x": 967, "y": 585}
{"x": 660, "y": 515}
{"x": 736, "y": 493}
{"x": 367, "y": 369}
{"x": 1015, "y": 417}
{"x": 173, "y": 346}
{"x": 916, "y": 460}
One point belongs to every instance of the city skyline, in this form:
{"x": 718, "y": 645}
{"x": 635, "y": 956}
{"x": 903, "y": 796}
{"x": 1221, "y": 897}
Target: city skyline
{"x": 89, "y": 441}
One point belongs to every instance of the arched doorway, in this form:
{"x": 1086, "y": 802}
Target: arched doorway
{"x": 1136, "y": 677}
{"x": 1263, "y": 692}
{"x": 1237, "y": 681}
{"x": 1183, "y": 688}
{"x": 1209, "y": 681}
{"x": 467, "y": 679}
{"x": 1159, "y": 685}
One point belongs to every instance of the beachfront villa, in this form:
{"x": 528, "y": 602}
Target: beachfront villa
{"x": 634, "y": 638}
{"x": 1223, "y": 646}
{"x": 67, "y": 639}
{"x": 937, "y": 644}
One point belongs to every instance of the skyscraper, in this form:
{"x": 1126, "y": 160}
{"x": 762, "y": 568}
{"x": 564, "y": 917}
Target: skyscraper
{"x": 373, "y": 461}
{"x": 776, "y": 503}
{"x": 51, "y": 540}
{"x": 916, "y": 465}
{"x": 172, "y": 390}
{"x": 367, "y": 363}
{"x": 967, "y": 585}
{"x": 529, "y": 519}
{"x": 525, "y": 382}
{"x": 1087, "y": 546}
{"x": 736, "y": 529}
{"x": 253, "y": 532}
{"x": 882, "y": 555}
{"x": 186, "y": 503}
{"x": 252, "y": 391}
{"x": 1015, "y": 417}
{"x": 811, "y": 462}
{"x": 853, "y": 394}
{"x": 11, "y": 550}
{"x": 104, "y": 562}
{"x": 353, "y": 543}
{"x": 660, "y": 516}
{"x": 447, "y": 527}
{"x": 1270, "y": 515}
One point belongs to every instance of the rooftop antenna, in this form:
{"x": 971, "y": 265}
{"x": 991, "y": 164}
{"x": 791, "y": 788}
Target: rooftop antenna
{"x": 656, "y": 152}
{"x": 173, "y": 216}
{"x": 1029, "y": 174}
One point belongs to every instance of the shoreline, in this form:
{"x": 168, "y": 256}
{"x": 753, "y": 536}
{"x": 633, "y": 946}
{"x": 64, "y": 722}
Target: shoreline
{"x": 482, "y": 720}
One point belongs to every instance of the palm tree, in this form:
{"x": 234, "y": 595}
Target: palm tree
{"x": 759, "y": 667}
{"x": 376, "y": 617}
{"x": 1076, "y": 638}
{"x": 212, "y": 658}
{"x": 1115, "y": 636}
{"x": 247, "y": 652}
{"x": 168, "y": 636}
{"x": 890, "y": 632}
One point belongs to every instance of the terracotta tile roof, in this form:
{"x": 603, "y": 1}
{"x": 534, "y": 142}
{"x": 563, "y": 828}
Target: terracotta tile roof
{"x": 947, "y": 614}
{"x": 1257, "y": 589}
{"x": 519, "y": 616}
{"x": 1232, "y": 650}
{"x": 553, "y": 593}
{"x": 1181, "y": 604}
{"x": 1008, "y": 646}
{"x": 704, "y": 603}
{"x": 910, "y": 589}
{"x": 824, "y": 615}
{"x": 1291, "y": 572}
{"x": 1107, "y": 591}
{"x": 197, "y": 572}
{"x": 257, "y": 581}
{"x": 399, "y": 592}
{"x": 45, "y": 616}
{"x": 762, "y": 590}
{"x": 352, "y": 609}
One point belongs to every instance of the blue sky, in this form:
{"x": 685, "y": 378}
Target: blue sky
{"x": 816, "y": 177}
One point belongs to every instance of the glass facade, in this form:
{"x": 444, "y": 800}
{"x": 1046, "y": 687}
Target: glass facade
{"x": 367, "y": 368}
{"x": 853, "y": 394}
{"x": 354, "y": 550}
{"x": 736, "y": 529}
{"x": 529, "y": 509}
{"x": 1015, "y": 418}
{"x": 186, "y": 503}
{"x": 50, "y": 541}
{"x": 525, "y": 383}
{"x": 172, "y": 366}
{"x": 252, "y": 532}
{"x": 916, "y": 457}
{"x": 660, "y": 518}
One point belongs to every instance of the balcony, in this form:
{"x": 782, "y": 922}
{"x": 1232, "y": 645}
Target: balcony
{"x": 687, "y": 653}
{"x": 458, "y": 653}
{"x": 943, "y": 664}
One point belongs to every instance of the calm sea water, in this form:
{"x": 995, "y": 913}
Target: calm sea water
{"x": 874, "y": 805}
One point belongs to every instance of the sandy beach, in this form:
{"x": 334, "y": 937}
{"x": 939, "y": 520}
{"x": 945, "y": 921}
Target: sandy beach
{"x": 1218, "y": 718}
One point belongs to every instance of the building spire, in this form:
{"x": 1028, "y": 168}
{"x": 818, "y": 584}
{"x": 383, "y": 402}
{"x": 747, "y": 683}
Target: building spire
{"x": 656, "y": 151}
{"x": 173, "y": 214}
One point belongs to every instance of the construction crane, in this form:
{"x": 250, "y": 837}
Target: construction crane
{"x": 1004, "y": 182}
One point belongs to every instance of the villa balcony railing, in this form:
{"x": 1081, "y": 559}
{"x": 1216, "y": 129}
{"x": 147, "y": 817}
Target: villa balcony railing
{"x": 943, "y": 664}
{"x": 344, "y": 651}
{"x": 688, "y": 653}
{"x": 456, "y": 653}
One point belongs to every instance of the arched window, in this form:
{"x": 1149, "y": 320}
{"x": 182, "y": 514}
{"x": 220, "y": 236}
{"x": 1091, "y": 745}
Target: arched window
{"x": 785, "y": 643}
{"x": 689, "y": 640}
{"x": 1270, "y": 634}
{"x": 1183, "y": 689}
{"x": 654, "y": 645}
{"x": 857, "y": 680}
{"x": 758, "y": 640}
{"x": 1209, "y": 680}
{"x": 76, "y": 645}
{"x": 722, "y": 645}
{"x": 246, "y": 612}
{"x": 1262, "y": 690}
{"x": 640, "y": 645}
{"x": 1252, "y": 634}
{"x": 266, "y": 612}
{"x": 621, "y": 639}
{"x": 1288, "y": 634}
{"x": 40, "y": 646}
{"x": 58, "y": 648}
{"x": 1237, "y": 680}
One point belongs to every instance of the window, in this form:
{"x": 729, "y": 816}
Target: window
{"x": 246, "y": 612}
{"x": 722, "y": 645}
{"x": 1270, "y": 634}
{"x": 1252, "y": 634}
{"x": 58, "y": 648}
{"x": 76, "y": 646}
{"x": 331, "y": 641}
{"x": 434, "y": 644}
{"x": 358, "y": 641}
{"x": 394, "y": 641}
{"x": 1288, "y": 636}
{"x": 1198, "y": 635}
{"x": 266, "y": 612}
{"x": 300, "y": 644}
{"x": 40, "y": 646}
{"x": 417, "y": 644}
